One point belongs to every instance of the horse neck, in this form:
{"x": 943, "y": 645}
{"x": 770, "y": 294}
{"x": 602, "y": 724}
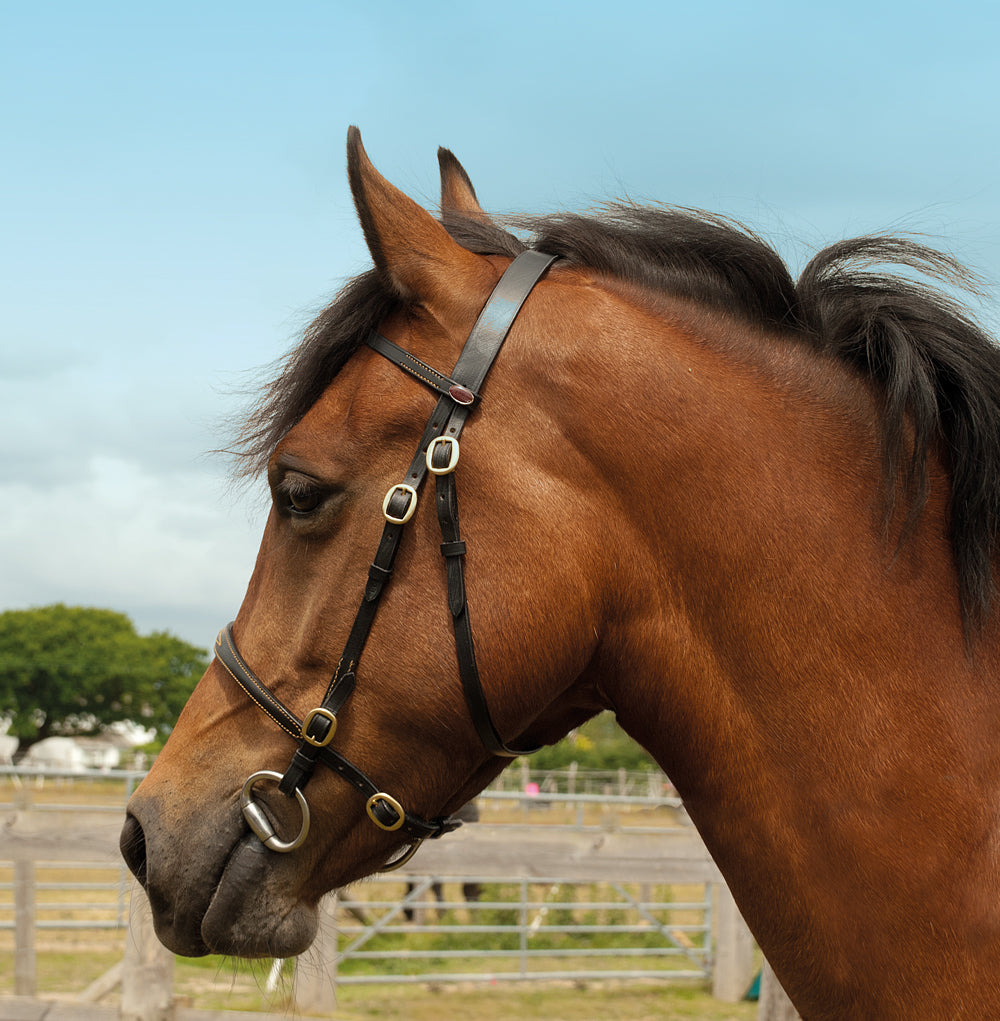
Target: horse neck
{"x": 805, "y": 684}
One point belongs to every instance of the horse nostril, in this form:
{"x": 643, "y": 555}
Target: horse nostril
{"x": 133, "y": 847}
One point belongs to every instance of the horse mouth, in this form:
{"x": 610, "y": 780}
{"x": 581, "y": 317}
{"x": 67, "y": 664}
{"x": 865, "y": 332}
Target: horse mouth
{"x": 249, "y": 916}
{"x": 241, "y": 908}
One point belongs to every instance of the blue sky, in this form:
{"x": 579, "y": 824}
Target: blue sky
{"x": 174, "y": 209}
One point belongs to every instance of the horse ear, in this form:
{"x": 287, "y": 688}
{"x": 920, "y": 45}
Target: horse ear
{"x": 411, "y": 250}
{"x": 457, "y": 194}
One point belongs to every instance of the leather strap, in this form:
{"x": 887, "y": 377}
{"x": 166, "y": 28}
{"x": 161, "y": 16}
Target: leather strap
{"x": 497, "y": 317}
{"x": 459, "y": 395}
{"x": 453, "y": 549}
{"x": 237, "y": 668}
{"x": 477, "y": 357}
{"x": 414, "y": 366}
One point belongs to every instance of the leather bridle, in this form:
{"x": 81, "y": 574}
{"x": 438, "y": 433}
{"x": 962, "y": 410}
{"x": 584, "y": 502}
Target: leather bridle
{"x": 437, "y": 454}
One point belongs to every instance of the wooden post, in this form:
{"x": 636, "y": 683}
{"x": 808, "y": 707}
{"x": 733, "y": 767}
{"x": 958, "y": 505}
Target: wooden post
{"x": 25, "y": 976}
{"x": 774, "y": 1002}
{"x": 314, "y": 988}
{"x": 734, "y": 949}
{"x": 148, "y": 968}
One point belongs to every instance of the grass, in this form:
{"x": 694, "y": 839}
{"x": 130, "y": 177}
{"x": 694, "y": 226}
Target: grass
{"x": 227, "y": 985}
{"x": 610, "y": 1002}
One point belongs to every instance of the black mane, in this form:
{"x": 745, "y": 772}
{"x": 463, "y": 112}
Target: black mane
{"x": 938, "y": 371}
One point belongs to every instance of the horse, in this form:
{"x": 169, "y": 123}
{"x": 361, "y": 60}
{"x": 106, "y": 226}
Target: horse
{"x": 753, "y": 516}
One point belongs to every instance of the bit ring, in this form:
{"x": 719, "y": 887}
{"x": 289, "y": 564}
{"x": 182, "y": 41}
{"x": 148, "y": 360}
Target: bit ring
{"x": 259, "y": 822}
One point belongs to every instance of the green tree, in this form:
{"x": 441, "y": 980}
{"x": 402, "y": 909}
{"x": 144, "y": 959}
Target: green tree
{"x": 599, "y": 744}
{"x": 75, "y": 670}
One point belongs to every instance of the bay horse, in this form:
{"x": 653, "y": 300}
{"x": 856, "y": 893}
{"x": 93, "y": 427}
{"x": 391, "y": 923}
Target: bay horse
{"x": 754, "y": 517}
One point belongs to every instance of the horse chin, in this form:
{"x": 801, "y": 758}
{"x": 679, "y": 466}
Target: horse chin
{"x": 247, "y": 917}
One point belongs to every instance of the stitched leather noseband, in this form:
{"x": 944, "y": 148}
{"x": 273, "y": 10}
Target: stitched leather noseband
{"x": 437, "y": 454}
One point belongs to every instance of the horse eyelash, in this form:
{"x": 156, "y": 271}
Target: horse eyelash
{"x": 291, "y": 488}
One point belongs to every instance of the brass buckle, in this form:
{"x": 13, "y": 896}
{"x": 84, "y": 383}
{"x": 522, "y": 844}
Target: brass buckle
{"x": 452, "y": 458}
{"x": 324, "y": 714}
{"x": 410, "y": 507}
{"x": 393, "y": 804}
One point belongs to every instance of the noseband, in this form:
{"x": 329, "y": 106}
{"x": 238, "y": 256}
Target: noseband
{"x": 437, "y": 454}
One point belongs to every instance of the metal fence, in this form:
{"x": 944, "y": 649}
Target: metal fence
{"x": 520, "y": 929}
{"x": 522, "y": 783}
{"x": 573, "y": 780}
{"x": 24, "y": 779}
{"x": 61, "y": 900}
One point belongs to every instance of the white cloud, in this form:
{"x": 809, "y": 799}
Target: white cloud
{"x": 172, "y": 551}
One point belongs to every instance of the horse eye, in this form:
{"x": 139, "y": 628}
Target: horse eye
{"x": 299, "y": 497}
{"x": 304, "y": 501}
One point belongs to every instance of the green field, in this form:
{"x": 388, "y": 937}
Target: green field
{"x": 609, "y": 1001}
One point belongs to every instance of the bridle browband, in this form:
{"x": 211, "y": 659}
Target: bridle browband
{"x": 437, "y": 454}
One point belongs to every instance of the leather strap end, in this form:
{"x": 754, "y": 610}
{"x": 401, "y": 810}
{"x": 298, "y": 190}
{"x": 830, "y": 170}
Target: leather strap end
{"x": 445, "y": 825}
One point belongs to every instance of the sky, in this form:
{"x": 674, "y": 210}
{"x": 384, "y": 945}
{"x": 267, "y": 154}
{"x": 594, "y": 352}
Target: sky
{"x": 174, "y": 210}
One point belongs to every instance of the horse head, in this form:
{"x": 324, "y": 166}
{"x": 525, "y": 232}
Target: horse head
{"x": 535, "y": 600}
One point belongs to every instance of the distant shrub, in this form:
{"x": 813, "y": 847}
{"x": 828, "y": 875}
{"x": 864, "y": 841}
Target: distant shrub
{"x": 599, "y": 744}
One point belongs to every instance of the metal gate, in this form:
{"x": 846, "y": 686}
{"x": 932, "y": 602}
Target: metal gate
{"x": 485, "y": 929}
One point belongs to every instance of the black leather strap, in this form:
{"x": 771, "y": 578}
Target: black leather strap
{"x": 477, "y": 357}
{"x": 239, "y": 670}
{"x": 450, "y": 415}
{"x": 453, "y": 549}
{"x": 459, "y": 395}
{"x": 497, "y": 317}
{"x": 415, "y": 367}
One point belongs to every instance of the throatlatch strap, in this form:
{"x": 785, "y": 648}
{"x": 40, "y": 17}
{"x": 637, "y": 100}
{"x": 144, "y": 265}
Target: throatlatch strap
{"x": 453, "y": 550}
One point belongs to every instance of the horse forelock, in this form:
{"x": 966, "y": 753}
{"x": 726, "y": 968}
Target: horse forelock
{"x": 300, "y": 378}
{"x": 937, "y": 371}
